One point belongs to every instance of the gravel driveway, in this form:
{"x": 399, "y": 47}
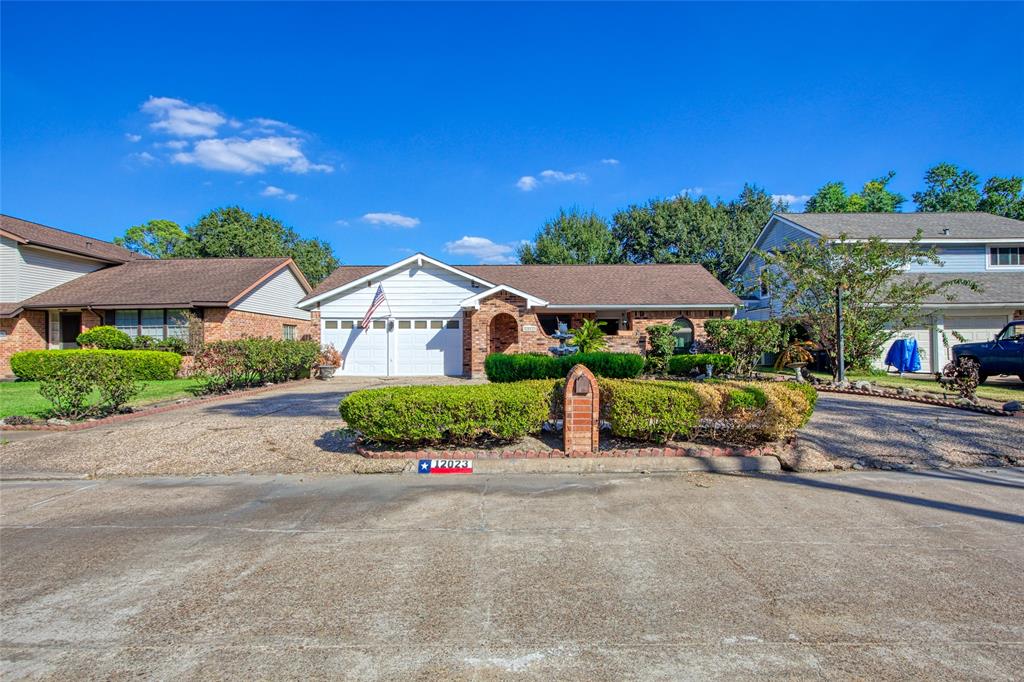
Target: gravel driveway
{"x": 292, "y": 430}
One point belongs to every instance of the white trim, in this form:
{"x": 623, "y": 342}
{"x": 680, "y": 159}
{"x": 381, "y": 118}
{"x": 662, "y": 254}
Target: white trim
{"x": 418, "y": 258}
{"x": 1001, "y": 268}
{"x": 931, "y": 239}
{"x": 764, "y": 230}
{"x": 645, "y": 306}
{"x": 955, "y": 304}
{"x": 531, "y": 301}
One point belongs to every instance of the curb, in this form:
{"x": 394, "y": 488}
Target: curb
{"x": 695, "y": 451}
{"x": 117, "y": 418}
{"x": 615, "y": 465}
{"x": 42, "y": 476}
{"x": 919, "y": 399}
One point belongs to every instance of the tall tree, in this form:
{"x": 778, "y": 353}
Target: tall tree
{"x": 874, "y": 197}
{"x": 156, "y": 238}
{"x": 1003, "y": 196}
{"x": 572, "y": 237}
{"x": 688, "y": 230}
{"x": 878, "y": 294}
{"x": 232, "y": 232}
{"x": 948, "y": 188}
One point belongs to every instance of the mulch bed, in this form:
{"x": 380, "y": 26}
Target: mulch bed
{"x": 157, "y": 408}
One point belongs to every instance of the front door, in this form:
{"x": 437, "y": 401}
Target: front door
{"x": 70, "y": 328}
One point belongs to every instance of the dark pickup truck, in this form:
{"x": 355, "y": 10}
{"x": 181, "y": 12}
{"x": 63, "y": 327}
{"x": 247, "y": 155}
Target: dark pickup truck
{"x": 1003, "y": 355}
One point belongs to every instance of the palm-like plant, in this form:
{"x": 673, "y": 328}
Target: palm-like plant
{"x": 798, "y": 351}
{"x": 589, "y": 337}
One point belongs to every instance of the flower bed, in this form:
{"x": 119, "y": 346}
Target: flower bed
{"x": 639, "y": 410}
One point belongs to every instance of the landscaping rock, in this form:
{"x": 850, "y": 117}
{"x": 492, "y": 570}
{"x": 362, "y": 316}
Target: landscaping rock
{"x": 802, "y": 458}
{"x": 53, "y": 421}
{"x": 862, "y": 385}
{"x": 966, "y": 402}
{"x": 1013, "y": 406}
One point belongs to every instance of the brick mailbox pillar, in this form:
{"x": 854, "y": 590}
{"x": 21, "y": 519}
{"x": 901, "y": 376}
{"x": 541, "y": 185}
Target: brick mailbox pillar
{"x": 582, "y": 412}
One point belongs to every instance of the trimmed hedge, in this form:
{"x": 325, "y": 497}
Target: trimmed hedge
{"x": 656, "y": 411}
{"x": 683, "y": 365}
{"x": 104, "y": 337}
{"x": 501, "y": 368}
{"x": 39, "y": 365}
{"x": 422, "y": 415}
{"x": 224, "y": 365}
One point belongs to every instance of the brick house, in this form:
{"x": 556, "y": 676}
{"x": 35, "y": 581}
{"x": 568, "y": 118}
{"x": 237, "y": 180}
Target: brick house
{"x": 55, "y": 284}
{"x": 440, "y": 319}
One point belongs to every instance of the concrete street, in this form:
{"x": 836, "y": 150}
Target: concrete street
{"x": 844, "y": 575}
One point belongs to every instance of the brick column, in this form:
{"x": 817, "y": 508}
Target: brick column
{"x": 582, "y": 413}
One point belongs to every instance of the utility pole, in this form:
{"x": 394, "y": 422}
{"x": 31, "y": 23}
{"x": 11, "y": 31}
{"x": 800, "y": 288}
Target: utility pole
{"x": 839, "y": 333}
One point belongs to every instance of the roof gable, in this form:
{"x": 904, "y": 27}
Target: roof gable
{"x": 26, "y": 232}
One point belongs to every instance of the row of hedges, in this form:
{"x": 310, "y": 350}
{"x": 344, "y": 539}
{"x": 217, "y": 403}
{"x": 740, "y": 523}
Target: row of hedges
{"x": 106, "y": 337}
{"x": 501, "y": 368}
{"x": 223, "y": 365}
{"x": 449, "y": 414}
{"x": 649, "y": 411}
{"x": 149, "y": 365}
{"x": 684, "y": 365}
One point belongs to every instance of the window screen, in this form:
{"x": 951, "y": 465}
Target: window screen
{"x": 153, "y": 323}
{"x": 127, "y": 321}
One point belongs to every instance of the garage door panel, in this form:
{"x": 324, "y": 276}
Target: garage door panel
{"x": 972, "y": 328}
{"x": 398, "y": 348}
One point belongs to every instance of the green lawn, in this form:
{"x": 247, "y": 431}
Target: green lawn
{"x": 998, "y": 392}
{"x": 22, "y": 397}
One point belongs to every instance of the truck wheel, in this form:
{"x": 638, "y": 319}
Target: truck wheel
{"x": 982, "y": 378}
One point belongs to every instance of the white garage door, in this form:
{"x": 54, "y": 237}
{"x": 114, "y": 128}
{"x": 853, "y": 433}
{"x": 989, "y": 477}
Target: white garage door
{"x": 397, "y": 347}
{"x": 972, "y": 328}
{"x": 924, "y": 346}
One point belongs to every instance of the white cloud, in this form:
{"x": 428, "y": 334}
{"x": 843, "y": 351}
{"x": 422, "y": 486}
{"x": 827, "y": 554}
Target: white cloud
{"x": 691, "y": 191}
{"x": 391, "y": 220}
{"x": 145, "y": 158}
{"x": 271, "y": 191}
{"x": 173, "y": 144}
{"x": 610, "y": 162}
{"x": 270, "y": 125}
{"x": 179, "y": 118}
{"x": 250, "y": 156}
{"x": 792, "y": 199}
{"x": 341, "y": 223}
{"x": 483, "y": 250}
{"x": 528, "y": 183}
{"x": 131, "y": 137}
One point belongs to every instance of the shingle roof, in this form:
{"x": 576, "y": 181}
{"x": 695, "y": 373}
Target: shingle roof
{"x": 160, "y": 283}
{"x": 996, "y": 287}
{"x": 41, "y": 235}
{"x": 974, "y": 225}
{"x": 583, "y": 285}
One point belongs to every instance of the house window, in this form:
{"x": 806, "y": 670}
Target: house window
{"x": 436, "y": 324}
{"x": 682, "y": 330}
{"x": 288, "y": 332}
{"x": 451, "y": 324}
{"x": 127, "y": 321}
{"x": 549, "y": 323}
{"x": 153, "y": 323}
{"x": 1005, "y": 256}
{"x": 405, "y": 324}
{"x": 331, "y": 324}
{"x": 347, "y": 324}
{"x": 610, "y": 326}
{"x": 177, "y": 324}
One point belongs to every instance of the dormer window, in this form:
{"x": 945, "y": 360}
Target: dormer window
{"x": 1005, "y": 256}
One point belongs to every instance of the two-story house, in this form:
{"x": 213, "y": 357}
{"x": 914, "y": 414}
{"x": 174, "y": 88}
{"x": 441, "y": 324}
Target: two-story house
{"x": 982, "y": 247}
{"x": 56, "y": 284}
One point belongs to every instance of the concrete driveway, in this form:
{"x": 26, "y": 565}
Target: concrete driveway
{"x": 877, "y": 575}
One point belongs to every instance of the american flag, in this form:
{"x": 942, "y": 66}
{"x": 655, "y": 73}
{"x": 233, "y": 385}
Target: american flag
{"x": 378, "y": 298}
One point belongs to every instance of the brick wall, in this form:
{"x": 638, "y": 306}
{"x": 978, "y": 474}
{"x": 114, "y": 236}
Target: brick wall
{"x": 26, "y": 331}
{"x": 478, "y": 329}
{"x": 580, "y": 427}
{"x": 225, "y": 324}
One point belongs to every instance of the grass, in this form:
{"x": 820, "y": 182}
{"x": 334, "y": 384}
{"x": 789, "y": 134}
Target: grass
{"x": 22, "y": 397}
{"x": 997, "y": 392}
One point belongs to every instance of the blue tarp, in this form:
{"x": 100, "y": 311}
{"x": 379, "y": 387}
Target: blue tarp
{"x": 903, "y": 355}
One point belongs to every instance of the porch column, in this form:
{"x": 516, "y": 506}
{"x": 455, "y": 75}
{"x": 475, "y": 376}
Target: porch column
{"x": 938, "y": 357}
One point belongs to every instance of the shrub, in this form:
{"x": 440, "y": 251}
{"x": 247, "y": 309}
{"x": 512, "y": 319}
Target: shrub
{"x": 143, "y": 342}
{"x": 684, "y": 365}
{"x": 173, "y": 344}
{"x": 114, "y": 381}
{"x": 745, "y": 340}
{"x": 223, "y": 365}
{"x": 329, "y": 356}
{"x": 656, "y": 411}
{"x": 965, "y": 375}
{"x": 68, "y": 390}
{"x": 38, "y": 365}
{"x": 589, "y": 337}
{"x": 663, "y": 344}
{"x": 417, "y": 415}
{"x": 104, "y": 337}
{"x": 503, "y": 368}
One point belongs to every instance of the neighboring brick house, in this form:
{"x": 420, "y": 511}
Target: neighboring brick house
{"x": 439, "y": 319}
{"x": 56, "y": 284}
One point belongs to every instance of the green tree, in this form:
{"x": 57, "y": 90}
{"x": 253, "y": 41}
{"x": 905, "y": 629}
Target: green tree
{"x": 572, "y": 237}
{"x": 874, "y": 197}
{"x": 688, "y": 230}
{"x": 156, "y": 238}
{"x": 232, "y": 232}
{"x": 948, "y": 188}
{"x": 1002, "y": 196}
{"x": 878, "y": 294}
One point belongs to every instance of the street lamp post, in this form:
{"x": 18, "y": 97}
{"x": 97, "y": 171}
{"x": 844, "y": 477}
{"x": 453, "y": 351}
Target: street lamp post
{"x": 839, "y": 332}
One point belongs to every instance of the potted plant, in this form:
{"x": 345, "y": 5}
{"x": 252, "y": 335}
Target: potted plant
{"x": 328, "y": 362}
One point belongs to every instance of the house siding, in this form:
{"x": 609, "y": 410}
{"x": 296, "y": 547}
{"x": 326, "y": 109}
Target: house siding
{"x": 36, "y": 270}
{"x": 776, "y": 237}
{"x": 955, "y": 258}
{"x": 9, "y": 262}
{"x": 413, "y": 292}
{"x": 277, "y": 296}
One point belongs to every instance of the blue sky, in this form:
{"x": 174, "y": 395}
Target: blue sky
{"x": 458, "y": 129}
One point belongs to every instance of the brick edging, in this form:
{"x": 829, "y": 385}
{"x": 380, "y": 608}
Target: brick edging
{"x": 116, "y": 418}
{"x": 695, "y": 451}
{"x": 983, "y": 409}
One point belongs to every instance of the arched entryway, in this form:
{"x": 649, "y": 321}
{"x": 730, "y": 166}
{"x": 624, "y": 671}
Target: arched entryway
{"x": 503, "y": 334}
{"x": 682, "y": 330}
